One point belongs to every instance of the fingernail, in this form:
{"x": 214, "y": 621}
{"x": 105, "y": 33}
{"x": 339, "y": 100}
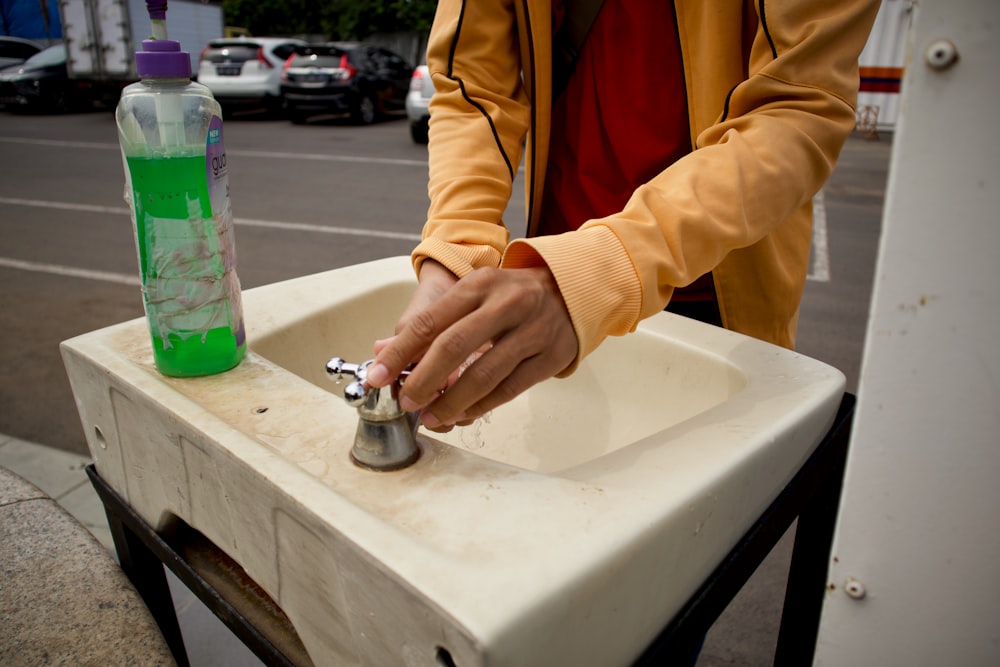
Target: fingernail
{"x": 378, "y": 375}
{"x": 408, "y": 404}
{"x": 429, "y": 420}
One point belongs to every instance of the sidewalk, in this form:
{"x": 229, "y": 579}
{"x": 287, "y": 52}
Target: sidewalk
{"x": 61, "y": 475}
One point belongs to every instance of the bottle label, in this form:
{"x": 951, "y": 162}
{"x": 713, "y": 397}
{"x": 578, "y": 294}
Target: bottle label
{"x": 216, "y": 173}
{"x": 217, "y": 178}
{"x": 187, "y": 255}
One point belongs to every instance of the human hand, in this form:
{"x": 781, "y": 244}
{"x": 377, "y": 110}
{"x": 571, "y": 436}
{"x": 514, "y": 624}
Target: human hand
{"x": 514, "y": 319}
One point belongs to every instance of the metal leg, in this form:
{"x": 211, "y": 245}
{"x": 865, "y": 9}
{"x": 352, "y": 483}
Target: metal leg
{"x": 807, "y": 574}
{"x": 812, "y": 496}
{"x": 145, "y": 571}
{"x": 210, "y": 574}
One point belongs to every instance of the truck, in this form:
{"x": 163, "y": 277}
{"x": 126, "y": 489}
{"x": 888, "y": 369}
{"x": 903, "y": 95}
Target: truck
{"x": 101, "y": 36}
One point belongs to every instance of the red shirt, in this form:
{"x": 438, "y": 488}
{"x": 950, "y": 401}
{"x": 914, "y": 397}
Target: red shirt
{"x": 622, "y": 118}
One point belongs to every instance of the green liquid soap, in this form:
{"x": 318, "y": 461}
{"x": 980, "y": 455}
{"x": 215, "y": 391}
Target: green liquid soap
{"x": 187, "y": 261}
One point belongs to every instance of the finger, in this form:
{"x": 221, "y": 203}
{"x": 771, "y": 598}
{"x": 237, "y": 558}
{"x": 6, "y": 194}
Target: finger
{"x": 528, "y": 320}
{"x": 443, "y": 363}
{"x": 380, "y": 344}
{"x": 527, "y": 374}
{"x": 509, "y": 368}
{"x": 514, "y": 364}
{"x": 474, "y": 383}
{"x": 435, "y": 282}
{"x": 415, "y": 338}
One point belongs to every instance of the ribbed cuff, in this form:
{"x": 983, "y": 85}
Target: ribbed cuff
{"x": 460, "y": 259}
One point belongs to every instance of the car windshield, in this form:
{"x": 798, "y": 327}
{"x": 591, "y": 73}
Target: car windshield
{"x": 11, "y": 47}
{"x": 54, "y": 55}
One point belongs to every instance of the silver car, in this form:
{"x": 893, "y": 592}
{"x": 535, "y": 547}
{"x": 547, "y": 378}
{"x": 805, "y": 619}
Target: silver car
{"x": 421, "y": 90}
{"x": 246, "y": 71}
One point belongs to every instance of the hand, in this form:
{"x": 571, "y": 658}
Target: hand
{"x": 435, "y": 281}
{"x": 515, "y": 318}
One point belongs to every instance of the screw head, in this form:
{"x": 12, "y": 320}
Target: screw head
{"x": 855, "y": 589}
{"x": 941, "y": 54}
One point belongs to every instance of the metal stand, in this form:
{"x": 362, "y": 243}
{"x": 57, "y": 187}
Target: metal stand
{"x": 812, "y": 496}
{"x": 218, "y": 581}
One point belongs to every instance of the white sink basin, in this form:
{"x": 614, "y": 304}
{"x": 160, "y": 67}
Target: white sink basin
{"x": 565, "y": 528}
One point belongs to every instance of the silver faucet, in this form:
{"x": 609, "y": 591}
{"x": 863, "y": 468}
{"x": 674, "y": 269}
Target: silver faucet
{"x": 386, "y": 438}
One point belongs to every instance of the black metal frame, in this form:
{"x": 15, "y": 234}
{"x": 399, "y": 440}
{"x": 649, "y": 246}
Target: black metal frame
{"x": 813, "y": 497}
{"x": 218, "y": 581}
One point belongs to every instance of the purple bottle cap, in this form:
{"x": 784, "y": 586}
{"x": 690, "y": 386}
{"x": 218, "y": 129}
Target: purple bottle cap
{"x": 162, "y": 59}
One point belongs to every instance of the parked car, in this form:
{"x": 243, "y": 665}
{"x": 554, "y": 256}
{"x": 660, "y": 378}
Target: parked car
{"x": 245, "y": 72}
{"x": 42, "y": 84}
{"x": 363, "y": 80}
{"x": 14, "y": 50}
{"x": 421, "y": 90}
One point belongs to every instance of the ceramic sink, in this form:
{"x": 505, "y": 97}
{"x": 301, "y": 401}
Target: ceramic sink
{"x": 566, "y": 527}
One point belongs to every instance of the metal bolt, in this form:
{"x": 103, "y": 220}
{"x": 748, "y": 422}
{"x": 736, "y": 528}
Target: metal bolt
{"x": 941, "y": 54}
{"x": 855, "y": 589}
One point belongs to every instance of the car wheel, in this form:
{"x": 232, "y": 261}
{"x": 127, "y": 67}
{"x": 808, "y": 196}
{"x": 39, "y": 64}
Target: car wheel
{"x": 273, "y": 107}
{"x": 297, "y": 117}
{"x": 418, "y": 131}
{"x": 59, "y": 103}
{"x": 365, "y": 112}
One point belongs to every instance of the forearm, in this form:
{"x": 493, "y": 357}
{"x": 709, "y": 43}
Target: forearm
{"x": 479, "y": 115}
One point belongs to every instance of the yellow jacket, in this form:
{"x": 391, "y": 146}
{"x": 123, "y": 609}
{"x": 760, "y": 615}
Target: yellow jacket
{"x": 771, "y": 90}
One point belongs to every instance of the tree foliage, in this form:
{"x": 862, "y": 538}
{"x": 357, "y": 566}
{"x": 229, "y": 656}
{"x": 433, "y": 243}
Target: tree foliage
{"x": 334, "y": 19}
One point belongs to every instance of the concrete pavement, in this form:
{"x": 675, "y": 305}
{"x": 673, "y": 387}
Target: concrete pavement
{"x": 61, "y": 475}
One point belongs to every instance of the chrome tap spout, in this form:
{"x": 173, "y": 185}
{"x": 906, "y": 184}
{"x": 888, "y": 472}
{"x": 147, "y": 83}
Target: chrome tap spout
{"x": 386, "y": 436}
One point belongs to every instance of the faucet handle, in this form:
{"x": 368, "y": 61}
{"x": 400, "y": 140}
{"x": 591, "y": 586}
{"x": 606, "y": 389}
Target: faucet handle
{"x": 338, "y": 367}
{"x": 356, "y": 392}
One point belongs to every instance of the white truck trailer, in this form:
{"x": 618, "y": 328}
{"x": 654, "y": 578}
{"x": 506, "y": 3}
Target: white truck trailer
{"x": 102, "y": 35}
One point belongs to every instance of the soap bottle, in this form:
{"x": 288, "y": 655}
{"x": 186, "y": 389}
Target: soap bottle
{"x": 177, "y": 186}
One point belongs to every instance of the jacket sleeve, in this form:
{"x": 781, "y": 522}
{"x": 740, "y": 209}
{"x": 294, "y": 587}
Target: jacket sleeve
{"x": 773, "y": 142}
{"x": 479, "y": 116}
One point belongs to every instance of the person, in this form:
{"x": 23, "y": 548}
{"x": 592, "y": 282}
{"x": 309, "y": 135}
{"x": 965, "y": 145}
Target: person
{"x": 674, "y": 166}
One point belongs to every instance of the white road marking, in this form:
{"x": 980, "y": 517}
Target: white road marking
{"x": 246, "y": 222}
{"x": 820, "y": 272}
{"x": 819, "y": 269}
{"x": 70, "y": 271}
{"x": 279, "y": 155}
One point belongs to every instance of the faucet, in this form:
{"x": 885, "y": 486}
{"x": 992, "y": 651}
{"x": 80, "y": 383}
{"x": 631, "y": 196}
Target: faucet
{"x": 386, "y": 438}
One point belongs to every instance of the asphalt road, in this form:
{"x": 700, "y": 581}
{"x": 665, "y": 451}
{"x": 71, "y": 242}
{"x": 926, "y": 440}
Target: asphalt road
{"x": 307, "y": 199}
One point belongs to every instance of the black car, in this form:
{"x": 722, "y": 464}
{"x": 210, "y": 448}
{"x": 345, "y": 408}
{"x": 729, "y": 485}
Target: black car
{"x": 363, "y": 80}
{"x": 14, "y": 50}
{"x": 42, "y": 84}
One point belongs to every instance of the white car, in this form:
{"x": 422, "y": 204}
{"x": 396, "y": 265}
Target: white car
{"x": 246, "y": 71}
{"x": 421, "y": 90}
